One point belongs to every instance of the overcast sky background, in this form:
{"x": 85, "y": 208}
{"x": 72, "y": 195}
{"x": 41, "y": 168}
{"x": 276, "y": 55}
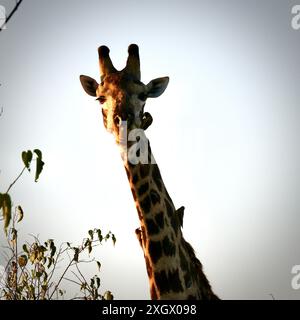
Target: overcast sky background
{"x": 225, "y": 133}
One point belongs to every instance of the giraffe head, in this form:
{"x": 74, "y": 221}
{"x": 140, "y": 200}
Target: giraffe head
{"x": 121, "y": 93}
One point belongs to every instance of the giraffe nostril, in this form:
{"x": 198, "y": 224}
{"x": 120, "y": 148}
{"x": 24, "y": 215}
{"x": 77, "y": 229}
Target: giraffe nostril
{"x": 117, "y": 120}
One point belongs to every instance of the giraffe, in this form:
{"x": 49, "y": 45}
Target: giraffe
{"x": 173, "y": 269}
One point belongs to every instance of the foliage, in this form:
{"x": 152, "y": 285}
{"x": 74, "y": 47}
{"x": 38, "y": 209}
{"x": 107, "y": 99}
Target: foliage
{"x": 31, "y": 273}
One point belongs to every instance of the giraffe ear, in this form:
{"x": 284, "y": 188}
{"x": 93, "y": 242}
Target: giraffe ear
{"x": 157, "y": 86}
{"x": 89, "y": 85}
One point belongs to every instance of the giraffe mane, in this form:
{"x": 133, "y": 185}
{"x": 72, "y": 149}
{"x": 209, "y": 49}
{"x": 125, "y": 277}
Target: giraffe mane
{"x": 198, "y": 269}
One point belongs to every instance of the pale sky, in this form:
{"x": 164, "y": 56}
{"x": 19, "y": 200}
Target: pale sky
{"x": 225, "y": 133}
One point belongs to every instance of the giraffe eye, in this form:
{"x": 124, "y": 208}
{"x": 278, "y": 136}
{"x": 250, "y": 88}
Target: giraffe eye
{"x": 101, "y": 99}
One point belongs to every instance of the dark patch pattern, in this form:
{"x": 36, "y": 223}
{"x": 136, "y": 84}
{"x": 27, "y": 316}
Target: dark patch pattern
{"x": 175, "y": 224}
{"x": 168, "y": 282}
{"x": 157, "y": 177}
{"x": 155, "y": 250}
{"x": 187, "y": 280}
{"x": 174, "y": 280}
{"x": 155, "y": 197}
{"x": 183, "y": 262}
{"x": 161, "y": 281}
{"x": 143, "y": 189}
{"x": 169, "y": 248}
{"x": 135, "y": 179}
{"x": 146, "y": 204}
{"x": 159, "y": 219}
{"x": 170, "y": 210}
{"x": 151, "y": 226}
{"x": 144, "y": 170}
{"x": 173, "y": 218}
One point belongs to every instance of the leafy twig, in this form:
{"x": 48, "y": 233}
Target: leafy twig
{"x": 18, "y": 177}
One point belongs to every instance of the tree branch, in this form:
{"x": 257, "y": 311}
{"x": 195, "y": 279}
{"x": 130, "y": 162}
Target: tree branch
{"x": 18, "y": 177}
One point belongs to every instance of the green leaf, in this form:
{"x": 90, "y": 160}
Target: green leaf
{"x": 113, "y": 239}
{"x": 39, "y": 168}
{"x": 98, "y": 282}
{"x": 32, "y": 256}
{"x": 25, "y": 248}
{"x": 53, "y": 250}
{"x": 27, "y": 157}
{"x": 24, "y": 158}
{"x": 50, "y": 261}
{"x": 22, "y": 261}
{"x": 42, "y": 248}
{"x": 6, "y": 209}
{"x": 100, "y": 237}
{"x": 91, "y": 234}
{"x": 92, "y": 282}
{"x": 98, "y": 265}
{"x": 21, "y": 213}
{"x": 87, "y": 242}
{"x": 38, "y": 153}
{"x": 108, "y": 296}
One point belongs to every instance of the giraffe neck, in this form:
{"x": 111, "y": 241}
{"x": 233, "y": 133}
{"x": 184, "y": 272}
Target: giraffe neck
{"x": 173, "y": 270}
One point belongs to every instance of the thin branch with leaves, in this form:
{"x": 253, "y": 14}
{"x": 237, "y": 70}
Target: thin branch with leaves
{"x": 31, "y": 271}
